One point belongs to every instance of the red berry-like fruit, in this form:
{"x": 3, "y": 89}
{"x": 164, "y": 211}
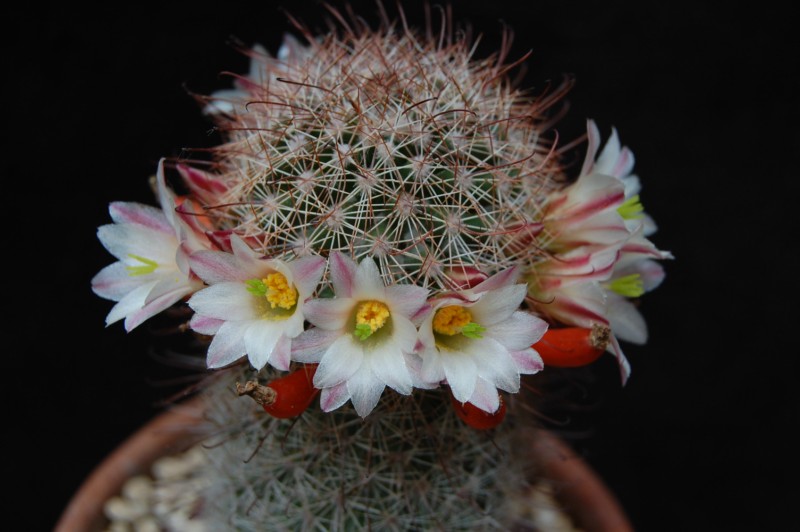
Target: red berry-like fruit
{"x": 570, "y": 347}
{"x": 477, "y": 418}
{"x": 293, "y": 393}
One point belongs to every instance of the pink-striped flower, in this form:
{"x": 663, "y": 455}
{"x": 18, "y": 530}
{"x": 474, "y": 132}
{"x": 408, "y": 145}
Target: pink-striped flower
{"x": 585, "y": 214}
{"x": 363, "y": 338}
{"x": 253, "y": 306}
{"x": 479, "y": 341}
{"x": 152, "y": 247}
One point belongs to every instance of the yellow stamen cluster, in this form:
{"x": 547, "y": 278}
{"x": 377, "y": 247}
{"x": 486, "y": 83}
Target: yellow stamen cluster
{"x": 450, "y": 320}
{"x": 279, "y": 292}
{"x": 372, "y": 314}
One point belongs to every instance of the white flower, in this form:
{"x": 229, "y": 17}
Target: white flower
{"x": 152, "y": 246}
{"x": 478, "y": 341}
{"x": 617, "y": 161}
{"x": 600, "y": 256}
{"x": 633, "y": 276}
{"x": 362, "y": 337}
{"x": 578, "y": 289}
{"x": 253, "y": 306}
{"x": 585, "y": 214}
{"x": 264, "y": 69}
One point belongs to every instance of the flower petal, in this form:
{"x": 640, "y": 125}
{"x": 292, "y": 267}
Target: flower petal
{"x": 626, "y": 321}
{"x": 414, "y": 365}
{"x": 405, "y": 335}
{"x": 130, "y": 303}
{"x": 503, "y": 278}
{"x": 124, "y": 240}
{"x": 520, "y": 331}
{"x": 340, "y": 361}
{"x": 461, "y": 373}
{"x": 282, "y": 353}
{"x": 225, "y": 301}
{"x": 388, "y": 365}
{"x": 485, "y": 396}
{"x": 227, "y": 346}
{"x": 259, "y": 339}
{"x": 365, "y": 390}
{"x": 329, "y": 314}
{"x": 406, "y": 300}
{"x": 368, "y": 281}
{"x": 123, "y": 212}
{"x": 156, "y": 305}
{"x": 593, "y": 134}
{"x": 312, "y": 344}
{"x": 528, "y": 361}
{"x": 432, "y": 369}
{"x": 582, "y": 304}
{"x": 624, "y": 365}
{"x": 498, "y": 305}
{"x": 114, "y": 281}
{"x": 496, "y": 364}
{"x": 343, "y": 273}
{"x": 306, "y": 273}
{"x": 165, "y": 197}
{"x": 201, "y": 184}
{"x": 218, "y": 267}
{"x": 334, "y": 397}
{"x": 205, "y": 325}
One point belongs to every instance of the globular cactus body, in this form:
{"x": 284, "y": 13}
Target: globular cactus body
{"x": 393, "y": 211}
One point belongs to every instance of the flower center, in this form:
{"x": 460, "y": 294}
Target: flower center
{"x": 455, "y": 319}
{"x": 370, "y": 316}
{"x": 280, "y": 292}
{"x": 276, "y": 289}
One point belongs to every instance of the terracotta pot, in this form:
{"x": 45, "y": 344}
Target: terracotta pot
{"x": 579, "y": 490}
{"x": 168, "y": 433}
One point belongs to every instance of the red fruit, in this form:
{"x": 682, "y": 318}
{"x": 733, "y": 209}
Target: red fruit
{"x": 477, "y": 418}
{"x": 570, "y": 347}
{"x": 293, "y": 393}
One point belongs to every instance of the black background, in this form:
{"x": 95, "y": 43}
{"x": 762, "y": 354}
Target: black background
{"x": 702, "y": 438}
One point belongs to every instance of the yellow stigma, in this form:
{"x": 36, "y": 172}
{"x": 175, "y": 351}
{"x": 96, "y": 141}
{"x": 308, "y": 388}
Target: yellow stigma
{"x": 148, "y": 266}
{"x": 279, "y": 292}
{"x": 628, "y": 286}
{"x": 370, "y": 316}
{"x": 631, "y": 208}
{"x": 451, "y": 320}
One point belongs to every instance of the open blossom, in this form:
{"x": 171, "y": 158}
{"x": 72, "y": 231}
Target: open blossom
{"x": 362, "y": 337}
{"x": 152, "y": 246}
{"x": 479, "y": 341}
{"x": 254, "y": 306}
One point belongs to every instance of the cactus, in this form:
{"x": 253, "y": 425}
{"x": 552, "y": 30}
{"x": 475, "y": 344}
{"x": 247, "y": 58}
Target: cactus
{"x": 410, "y": 465}
{"x": 381, "y": 145}
{"x": 385, "y": 211}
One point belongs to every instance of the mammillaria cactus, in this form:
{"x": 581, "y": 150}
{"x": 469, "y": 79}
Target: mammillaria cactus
{"x": 387, "y": 227}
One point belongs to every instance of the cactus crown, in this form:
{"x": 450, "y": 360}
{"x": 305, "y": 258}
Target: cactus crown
{"x": 388, "y": 146}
